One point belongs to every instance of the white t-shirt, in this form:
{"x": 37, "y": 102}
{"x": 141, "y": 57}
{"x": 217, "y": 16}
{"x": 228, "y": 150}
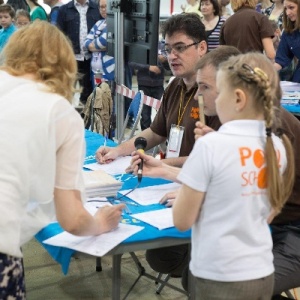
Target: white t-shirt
{"x": 231, "y": 240}
{"x": 42, "y": 146}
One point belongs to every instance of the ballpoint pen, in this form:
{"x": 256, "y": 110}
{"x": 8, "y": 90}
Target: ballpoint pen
{"x": 105, "y": 140}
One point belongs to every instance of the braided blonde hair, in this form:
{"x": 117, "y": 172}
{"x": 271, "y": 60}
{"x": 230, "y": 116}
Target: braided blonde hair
{"x": 262, "y": 83}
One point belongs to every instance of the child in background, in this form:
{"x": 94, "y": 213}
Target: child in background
{"x": 22, "y": 18}
{"x": 7, "y": 14}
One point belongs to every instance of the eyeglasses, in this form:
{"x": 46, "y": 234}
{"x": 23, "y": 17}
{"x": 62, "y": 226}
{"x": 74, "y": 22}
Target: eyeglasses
{"x": 102, "y": 6}
{"x": 177, "y": 48}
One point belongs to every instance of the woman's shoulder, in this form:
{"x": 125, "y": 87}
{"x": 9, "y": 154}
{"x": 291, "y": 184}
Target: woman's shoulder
{"x": 38, "y": 13}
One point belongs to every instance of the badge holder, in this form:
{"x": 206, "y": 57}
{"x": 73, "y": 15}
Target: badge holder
{"x": 175, "y": 140}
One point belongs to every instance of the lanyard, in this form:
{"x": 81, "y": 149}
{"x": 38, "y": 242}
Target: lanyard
{"x": 181, "y": 110}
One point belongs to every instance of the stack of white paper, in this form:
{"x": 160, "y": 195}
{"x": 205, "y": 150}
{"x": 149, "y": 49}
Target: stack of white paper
{"x": 100, "y": 184}
{"x": 289, "y": 86}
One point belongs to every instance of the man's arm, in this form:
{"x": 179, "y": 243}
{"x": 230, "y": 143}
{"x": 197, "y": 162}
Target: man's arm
{"x": 107, "y": 154}
{"x": 175, "y": 161}
{"x": 269, "y": 48}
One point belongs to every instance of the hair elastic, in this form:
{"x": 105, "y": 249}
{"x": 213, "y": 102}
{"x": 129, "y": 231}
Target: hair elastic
{"x": 268, "y": 131}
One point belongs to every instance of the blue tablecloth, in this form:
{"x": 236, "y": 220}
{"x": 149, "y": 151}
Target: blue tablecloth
{"x": 63, "y": 255}
{"x": 292, "y": 108}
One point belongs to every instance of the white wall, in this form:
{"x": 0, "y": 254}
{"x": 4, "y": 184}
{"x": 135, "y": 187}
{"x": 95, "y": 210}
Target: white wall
{"x": 166, "y": 4}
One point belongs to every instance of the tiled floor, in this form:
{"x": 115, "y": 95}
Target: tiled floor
{"x": 45, "y": 280}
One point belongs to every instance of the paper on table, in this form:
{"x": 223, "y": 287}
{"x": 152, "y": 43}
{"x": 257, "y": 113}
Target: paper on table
{"x": 151, "y": 194}
{"x": 93, "y": 204}
{"x": 115, "y": 167}
{"x": 160, "y": 219}
{"x": 94, "y": 245}
{"x": 289, "y": 86}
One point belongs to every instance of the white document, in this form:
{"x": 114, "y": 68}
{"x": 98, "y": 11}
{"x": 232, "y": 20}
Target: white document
{"x": 160, "y": 219}
{"x": 93, "y": 204}
{"x": 115, "y": 167}
{"x": 94, "y": 245}
{"x": 151, "y": 194}
{"x": 289, "y": 86}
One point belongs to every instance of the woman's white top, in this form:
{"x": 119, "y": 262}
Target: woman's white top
{"x": 231, "y": 240}
{"x": 42, "y": 147}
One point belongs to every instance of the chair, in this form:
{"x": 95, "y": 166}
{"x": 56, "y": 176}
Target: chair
{"x": 134, "y": 110}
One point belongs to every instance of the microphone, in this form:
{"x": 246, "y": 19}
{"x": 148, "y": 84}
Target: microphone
{"x": 140, "y": 144}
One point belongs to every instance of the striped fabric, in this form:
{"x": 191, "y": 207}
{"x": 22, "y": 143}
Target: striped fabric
{"x": 214, "y": 35}
{"x": 98, "y": 35}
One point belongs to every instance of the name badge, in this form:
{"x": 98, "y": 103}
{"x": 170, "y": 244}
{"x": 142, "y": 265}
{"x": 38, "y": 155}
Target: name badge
{"x": 175, "y": 140}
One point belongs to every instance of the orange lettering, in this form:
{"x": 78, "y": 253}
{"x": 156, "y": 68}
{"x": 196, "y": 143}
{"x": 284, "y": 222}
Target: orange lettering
{"x": 259, "y": 158}
{"x": 245, "y": 153}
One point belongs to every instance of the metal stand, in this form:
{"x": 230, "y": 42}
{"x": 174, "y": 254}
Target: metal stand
{"x": 119, "y": 69}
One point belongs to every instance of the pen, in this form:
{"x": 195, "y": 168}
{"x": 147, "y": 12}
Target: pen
{"x": 105, "y": 140}
{"x": 104, "y": 201}
{"x": 201, "y": 108}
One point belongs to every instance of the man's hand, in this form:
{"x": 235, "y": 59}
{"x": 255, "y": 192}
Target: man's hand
{"x": 154, "y": 69}
{"x": 201, "y": 130}
{"x": 105, "y": 155}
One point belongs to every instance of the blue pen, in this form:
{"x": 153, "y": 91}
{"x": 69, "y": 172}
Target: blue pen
{"x": 105, "y": 140}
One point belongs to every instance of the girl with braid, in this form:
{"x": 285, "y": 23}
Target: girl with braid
{"x": 234, "y": 182}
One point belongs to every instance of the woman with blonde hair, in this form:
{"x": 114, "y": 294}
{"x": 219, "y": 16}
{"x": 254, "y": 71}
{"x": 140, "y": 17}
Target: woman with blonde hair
{"x": 42, "y": 149}
{"x": 248, "y": 30}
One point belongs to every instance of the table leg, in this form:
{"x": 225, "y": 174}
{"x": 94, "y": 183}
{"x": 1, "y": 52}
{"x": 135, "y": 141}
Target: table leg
{"x": 191, "y": 287}
{"x": 116, "y": 279}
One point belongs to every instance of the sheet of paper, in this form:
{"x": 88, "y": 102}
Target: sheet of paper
{"x": 152, "y": 194}
{"x": 115, "y": 167}
{"x": 160, "y": 219}
{"x": 93, "y": 204}
{"x": 289, "y": 86}
{"x": 94, "y": 245}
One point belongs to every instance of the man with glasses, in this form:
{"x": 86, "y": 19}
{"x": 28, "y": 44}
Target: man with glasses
{"x": 185, "y": 44}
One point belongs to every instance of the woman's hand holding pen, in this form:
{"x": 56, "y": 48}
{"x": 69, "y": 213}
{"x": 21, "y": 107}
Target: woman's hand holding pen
{"x": 201, "y": 130}
{"x": 108, "y": 217}
{"x": 105, "y": 155}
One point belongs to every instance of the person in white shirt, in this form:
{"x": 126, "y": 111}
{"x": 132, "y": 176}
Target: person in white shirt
{"x": 42, "y": 149}
{"x": 192, "y": 6}
{"x": 230, "y": 193}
